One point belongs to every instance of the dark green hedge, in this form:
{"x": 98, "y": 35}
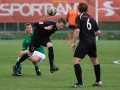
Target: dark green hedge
{"x": 58, "y": 36}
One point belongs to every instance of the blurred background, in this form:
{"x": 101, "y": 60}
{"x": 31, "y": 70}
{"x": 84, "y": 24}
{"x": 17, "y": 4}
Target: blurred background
{"x": 14, "y": 14}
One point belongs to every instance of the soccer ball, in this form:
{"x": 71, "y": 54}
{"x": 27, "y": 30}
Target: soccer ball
{"x": 51, "y": 11}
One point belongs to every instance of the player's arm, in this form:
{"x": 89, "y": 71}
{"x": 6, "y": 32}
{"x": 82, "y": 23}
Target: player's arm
{"x": 39, "y": 25}
{"x": 76, "y": 33}
{"x": 77, "y": 29}
{"x": 44, "y": 25}
{"x": 75, "y": 36}
{"x": 67, "y": 16}
{"x": 67, "y": 19}
{"x": 49, "y": 24}
{"x": 97, "y": 30}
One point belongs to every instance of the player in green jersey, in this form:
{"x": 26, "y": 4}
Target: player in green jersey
{"x": 36, "y": 57}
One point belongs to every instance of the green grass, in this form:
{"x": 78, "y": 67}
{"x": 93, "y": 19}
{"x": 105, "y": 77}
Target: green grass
{"x": 108, "y": 51}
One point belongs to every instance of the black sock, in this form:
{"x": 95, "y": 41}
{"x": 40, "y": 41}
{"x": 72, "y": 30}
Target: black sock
{"x": 97, "y": 72}
{"x": 25, "y": 56}
{"x": 78, "y": 72}
{"x": 51, "y": 56}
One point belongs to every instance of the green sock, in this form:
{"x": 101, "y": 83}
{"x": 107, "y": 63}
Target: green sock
{"x": 20, "y": 66}
{"x": 36, "y": 66}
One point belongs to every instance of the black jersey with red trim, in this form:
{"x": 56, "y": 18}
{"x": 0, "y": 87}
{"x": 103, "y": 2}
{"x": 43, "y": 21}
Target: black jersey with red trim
{"x": 87, "y": 26}
{"x": 40, "y": 32}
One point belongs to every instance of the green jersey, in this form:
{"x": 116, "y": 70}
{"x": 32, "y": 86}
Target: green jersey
{"x": 26, "y": 43}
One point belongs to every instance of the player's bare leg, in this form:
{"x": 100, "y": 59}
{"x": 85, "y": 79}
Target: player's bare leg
{"x": 35, "y": 61}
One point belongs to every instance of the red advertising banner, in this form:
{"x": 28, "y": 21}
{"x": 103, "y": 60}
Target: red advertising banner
{"x": 36, "y": 10}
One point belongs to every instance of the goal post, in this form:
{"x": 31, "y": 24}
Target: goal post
{"x": 96, "y": 14}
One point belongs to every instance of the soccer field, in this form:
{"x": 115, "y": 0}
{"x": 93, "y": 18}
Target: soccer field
{"x": 108, "y": 51}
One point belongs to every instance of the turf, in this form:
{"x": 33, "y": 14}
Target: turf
{"x": 108, "y": 51}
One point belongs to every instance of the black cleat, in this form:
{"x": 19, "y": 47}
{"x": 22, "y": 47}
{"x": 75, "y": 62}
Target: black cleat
{"x": 53, "y": 69}
{"x": 38, "y": 72}
{"x": 14, "y": 74}
{"x": 17, "y": 74}
{"x": 76, "y": 85}
{"x": 15, "y": 68}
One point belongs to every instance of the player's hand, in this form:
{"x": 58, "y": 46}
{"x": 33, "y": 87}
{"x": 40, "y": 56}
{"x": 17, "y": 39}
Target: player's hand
{"x": 73, "y": 46}
{"x": 49, "y": 27}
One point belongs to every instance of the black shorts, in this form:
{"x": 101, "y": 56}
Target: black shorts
{"x": 86, "y": 48}
{"x": 72, "y": 27}
{"x": 36, "y": 43}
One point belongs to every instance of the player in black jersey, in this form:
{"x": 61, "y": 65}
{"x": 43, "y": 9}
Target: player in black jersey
{"x": 87, "y": 29}
{"x": 41, "y": 37}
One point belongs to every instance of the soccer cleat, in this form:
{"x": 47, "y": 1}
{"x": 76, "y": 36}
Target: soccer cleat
{"x": 97, "y": 83}
{"x": 38, "y": 72}
{"x": 76, "y": 85}
{"x": 17, "y": 74}
{"x": 14, "y": 74}
{"x": 15, "y": 68}
{"x": 53, "y": 69}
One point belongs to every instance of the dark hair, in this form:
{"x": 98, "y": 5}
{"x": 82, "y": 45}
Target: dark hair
{"x": 26, "y": 24}
{"x": 72, "y": 3}
{"x": 82, "y": 7}
{"x": 62, "y": 20}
